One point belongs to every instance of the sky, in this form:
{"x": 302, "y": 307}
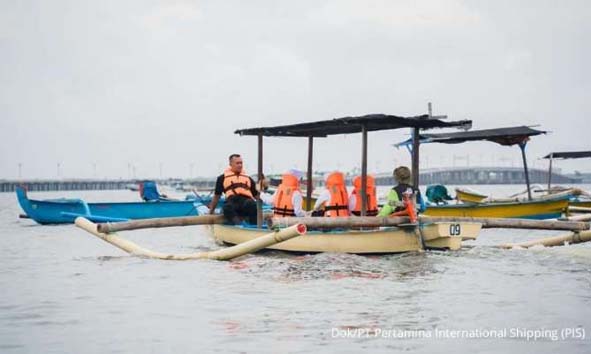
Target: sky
{"x": 117, "y": 89}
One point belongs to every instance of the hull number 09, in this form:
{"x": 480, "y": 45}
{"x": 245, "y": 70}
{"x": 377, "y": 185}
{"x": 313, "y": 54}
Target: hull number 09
{"x": 455, "y": 229}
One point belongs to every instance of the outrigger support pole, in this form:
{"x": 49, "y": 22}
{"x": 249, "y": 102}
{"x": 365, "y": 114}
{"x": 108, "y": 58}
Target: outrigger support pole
{"x": 309, "y": 177}
{"x": 522, "y": 147}
{"x": 260, "y": 178}
{"x": 363, "y": 170}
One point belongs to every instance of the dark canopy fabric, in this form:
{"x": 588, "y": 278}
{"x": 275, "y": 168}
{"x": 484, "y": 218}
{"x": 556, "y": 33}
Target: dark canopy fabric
{"x": 503, "y": 136}
{"x": 568, "y": 155}
{"x": 348, "y": 125}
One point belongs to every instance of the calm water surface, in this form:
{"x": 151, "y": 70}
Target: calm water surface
{"x": 64, "y": 291}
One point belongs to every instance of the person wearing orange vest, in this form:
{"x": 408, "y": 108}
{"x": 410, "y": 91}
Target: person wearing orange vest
{"x": 287, "y": 199}
{"x": 371, "y": 199}
{"x": 240, "y": 192}
{"x": 335, "y": 199}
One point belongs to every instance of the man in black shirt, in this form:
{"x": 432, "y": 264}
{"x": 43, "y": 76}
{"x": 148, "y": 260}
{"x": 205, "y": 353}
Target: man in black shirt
{"x": 240, "y": 192}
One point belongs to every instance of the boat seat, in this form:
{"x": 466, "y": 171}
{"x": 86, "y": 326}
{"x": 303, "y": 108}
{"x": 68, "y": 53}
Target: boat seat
{"x": 149, "y": 191}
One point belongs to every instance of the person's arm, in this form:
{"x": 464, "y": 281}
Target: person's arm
{"x": 352, "y": 203}
{"x": 297, "y": 201}
{"x": 390, "y": 205}
{"x": 267, "y": 198}
{"x": 322, "y": 199}
{"x": 253, "y": 189}
{"x": 214, "y": 203}
{"x": 219, "y": 189}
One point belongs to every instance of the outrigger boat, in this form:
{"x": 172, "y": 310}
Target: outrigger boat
{"x": 580, "y": 201}
{"x": 409, "y": 237}
{"x": 65, "y": 211}
{"x": 381, "y": 234}
{"x": 475, "y": 205}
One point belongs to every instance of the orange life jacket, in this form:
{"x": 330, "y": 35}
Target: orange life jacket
{"x": 338, "y": 205}
{"x": 236, "y": 184}
{"x": 370, "y": 192}
{"x": 283, "y": 199}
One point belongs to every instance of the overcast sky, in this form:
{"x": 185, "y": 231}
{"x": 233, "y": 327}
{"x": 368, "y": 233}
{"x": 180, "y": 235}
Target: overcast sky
{"x": 162, "y": 85}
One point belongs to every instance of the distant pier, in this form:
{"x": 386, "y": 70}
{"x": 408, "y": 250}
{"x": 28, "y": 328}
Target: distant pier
{"x": 94, "y": 184}
{"x": 491, "y": 175}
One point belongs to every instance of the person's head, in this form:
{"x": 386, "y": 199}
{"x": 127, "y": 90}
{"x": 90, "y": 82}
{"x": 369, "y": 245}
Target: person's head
{"x": 402, "y": 175}
{"x": 290, "y": 179}
{"x": 335, "y": 178}
{"x": 235, "y": 161}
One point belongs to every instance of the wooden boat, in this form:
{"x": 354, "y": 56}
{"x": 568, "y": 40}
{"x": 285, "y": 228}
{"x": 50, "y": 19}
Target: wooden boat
{"x": 535, "y": 209}
{"x": 580, "y": 203}
{"x": 474, "y": 204}
{"x": 584, "y": 200}
{"x": 469, "y": 196}
{"x": 383, "y": 240}
{"x": 60, "y": 211}
{"x": 440, "y": 235}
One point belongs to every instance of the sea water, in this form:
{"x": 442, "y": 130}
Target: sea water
{"x": 63, "y": 290}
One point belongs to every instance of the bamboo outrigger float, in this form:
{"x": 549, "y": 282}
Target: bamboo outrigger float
{"x": 266, "y": 240}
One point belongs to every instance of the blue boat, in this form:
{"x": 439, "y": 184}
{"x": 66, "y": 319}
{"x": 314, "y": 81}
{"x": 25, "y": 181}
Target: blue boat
{"x": 63, "y": 211}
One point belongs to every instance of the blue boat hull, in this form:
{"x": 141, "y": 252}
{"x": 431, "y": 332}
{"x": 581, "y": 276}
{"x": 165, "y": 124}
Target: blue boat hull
{"x": 63, "y": 211}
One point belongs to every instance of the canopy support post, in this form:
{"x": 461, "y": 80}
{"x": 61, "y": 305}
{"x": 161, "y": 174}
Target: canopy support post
{"x": 260, "y": 178}
{"x": 415, "y": 157}
{"x": 522, "y": 147}
{"x": 550, "y": 172}
{"x": 363, "y": 170}
{"x": 309, "y": 176}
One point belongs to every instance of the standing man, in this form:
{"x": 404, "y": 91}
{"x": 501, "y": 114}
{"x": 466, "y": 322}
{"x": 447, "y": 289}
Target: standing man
{"x": 240, "y": 192}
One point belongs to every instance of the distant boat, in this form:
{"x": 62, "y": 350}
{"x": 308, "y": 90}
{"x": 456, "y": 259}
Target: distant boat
{"x": 475, "y": 204}
{"x": 63, "y": 211}
{"x": 132, "y": 187}
{"x": 535, "y": 209}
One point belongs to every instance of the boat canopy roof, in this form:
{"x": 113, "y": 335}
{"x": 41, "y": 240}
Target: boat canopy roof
{"x": 568, "y": 155}
{"x": 503, "y": 136}
{"x": 348, "y": 125}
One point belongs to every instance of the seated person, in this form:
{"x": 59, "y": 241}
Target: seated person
{"x": 334, "y": 200}
{"x": 287, "y": 199}
{"x": 240, "y": 192}
{"x": 371, "y": 200}
{"x": 395, "y": 202}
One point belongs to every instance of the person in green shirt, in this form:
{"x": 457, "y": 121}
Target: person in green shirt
{"x": 395, "y": 203}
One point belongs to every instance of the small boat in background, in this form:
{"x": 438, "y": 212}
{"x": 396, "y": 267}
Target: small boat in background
{"x": 63, "y": 211}
{"x": 535, "y": 209}
{"x": 471, "y": 203}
